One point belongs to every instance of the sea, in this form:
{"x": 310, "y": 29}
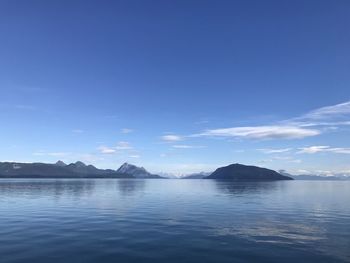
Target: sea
{"x": 173, "y": 220}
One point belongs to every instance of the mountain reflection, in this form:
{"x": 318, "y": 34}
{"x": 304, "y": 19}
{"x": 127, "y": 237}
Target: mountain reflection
{"x": 239, "y": 188}
{"x": 129, "y": 187}
{"x": 46, "y": 187}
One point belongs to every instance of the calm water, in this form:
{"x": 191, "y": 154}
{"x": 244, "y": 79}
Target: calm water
{"x": 110, "y": 220}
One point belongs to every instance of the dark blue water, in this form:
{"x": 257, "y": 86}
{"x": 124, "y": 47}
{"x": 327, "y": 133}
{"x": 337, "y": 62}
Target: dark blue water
{"x": 108, "y": 220}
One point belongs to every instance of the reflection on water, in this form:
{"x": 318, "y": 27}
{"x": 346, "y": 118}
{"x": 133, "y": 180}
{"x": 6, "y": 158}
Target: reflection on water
{"x": 130, "y": 187}
{"x": 238, "y": 188}
{"x": 107, "y": 220}
{"x": 34, "y": 188}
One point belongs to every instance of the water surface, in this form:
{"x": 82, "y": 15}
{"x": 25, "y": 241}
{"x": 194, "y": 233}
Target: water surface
{"x": 131, "y": 220}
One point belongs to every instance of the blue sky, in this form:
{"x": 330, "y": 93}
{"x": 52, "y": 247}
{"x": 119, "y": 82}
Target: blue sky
{"x": 177, "y": 86}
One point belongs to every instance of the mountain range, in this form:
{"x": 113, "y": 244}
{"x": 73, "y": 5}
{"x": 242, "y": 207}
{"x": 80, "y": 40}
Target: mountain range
{"x": 238, "y": 172}
{"x": 314, "y": 177}
{"x": 73, "y": 170}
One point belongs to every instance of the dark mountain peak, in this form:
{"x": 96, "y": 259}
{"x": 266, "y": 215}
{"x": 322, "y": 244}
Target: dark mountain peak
{"x": 80, "y": 164}
{"x": 138, "y": 172}
{"x": 127, "y": 167}
{"x": 60, "y": 163}
{"x": 240, "y": 172}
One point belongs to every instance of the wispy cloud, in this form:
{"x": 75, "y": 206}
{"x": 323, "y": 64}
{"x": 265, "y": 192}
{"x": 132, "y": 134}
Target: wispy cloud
{"x": 106, "y": 150}
{"x": 172, "y": 138}
{"x": 288, "y": 159}
{"x": 120, "y": 147}
{"x": 262, "y": 132}
{"x": 184, "y": 146}
{"x": 334, "y": 115}
{"x": 272, "y": 151}
{"x": 134, "y": 156}
{"x": 284, "y": 159}
{"x": 123, "y": 146}
{"x": 324, "y": 148}
{"x": 335, "y": 123}
{"x": 338, "y": 110}
{"x": 126, "y": 130}
{"x": 54, "y": 154}
{"x": 306, "y": 125}
{"x": 78, "y": 131}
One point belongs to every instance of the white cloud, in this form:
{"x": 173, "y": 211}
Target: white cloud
{"x": 262, "y": 132}
{"x": 302, "y": 171}
{"x": 325, "y": 119}
{"x": 286, "y": 159}
{"x": 334, "y": 115}
{"x": 77, "y": 131}
{"x": 272, "y": 151}
{"x": 134, "y": 156}
{"x": 90, "y": 158}
{"x": 171, "y": 138}
{"x": 324, "y": 148}
{"x": 184, "y": 146}
{"x": 55, "y": 154}
{"x": 336, "y": 123}
{"x": 295, "y": 161}
{"x": 126, "y": 130}
{"x": 337, "y": 110}
{"x": 59, "y": 154}
{"x": 123, "y": 146}
{"x": 106, "y": 150}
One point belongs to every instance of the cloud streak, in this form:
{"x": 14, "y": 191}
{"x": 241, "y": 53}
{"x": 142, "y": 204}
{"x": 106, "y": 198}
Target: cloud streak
{"x": 121, "y": 146}
{"x": 126, "y": 131}
{"x": 54, "y": 154}
{"x": 310, "y": 124}
{"x": 272, "y": 151}
{"x": 334, "y": 115}
{"x": 184, "y": 146}
{"x": 338, "y": 110}
{"x": 262, "y": 132}
{"x": 324, "y": 148}
{"x": 172, "y": 138}
{"x": 106, "y": 150}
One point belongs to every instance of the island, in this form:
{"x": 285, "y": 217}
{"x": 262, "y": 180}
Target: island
{"x": 240, "y": 172}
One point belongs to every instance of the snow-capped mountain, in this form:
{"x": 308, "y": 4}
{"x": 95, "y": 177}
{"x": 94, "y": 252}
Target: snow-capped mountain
{"x": 200, "y": 175}
{"x": 318, "y": 177}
